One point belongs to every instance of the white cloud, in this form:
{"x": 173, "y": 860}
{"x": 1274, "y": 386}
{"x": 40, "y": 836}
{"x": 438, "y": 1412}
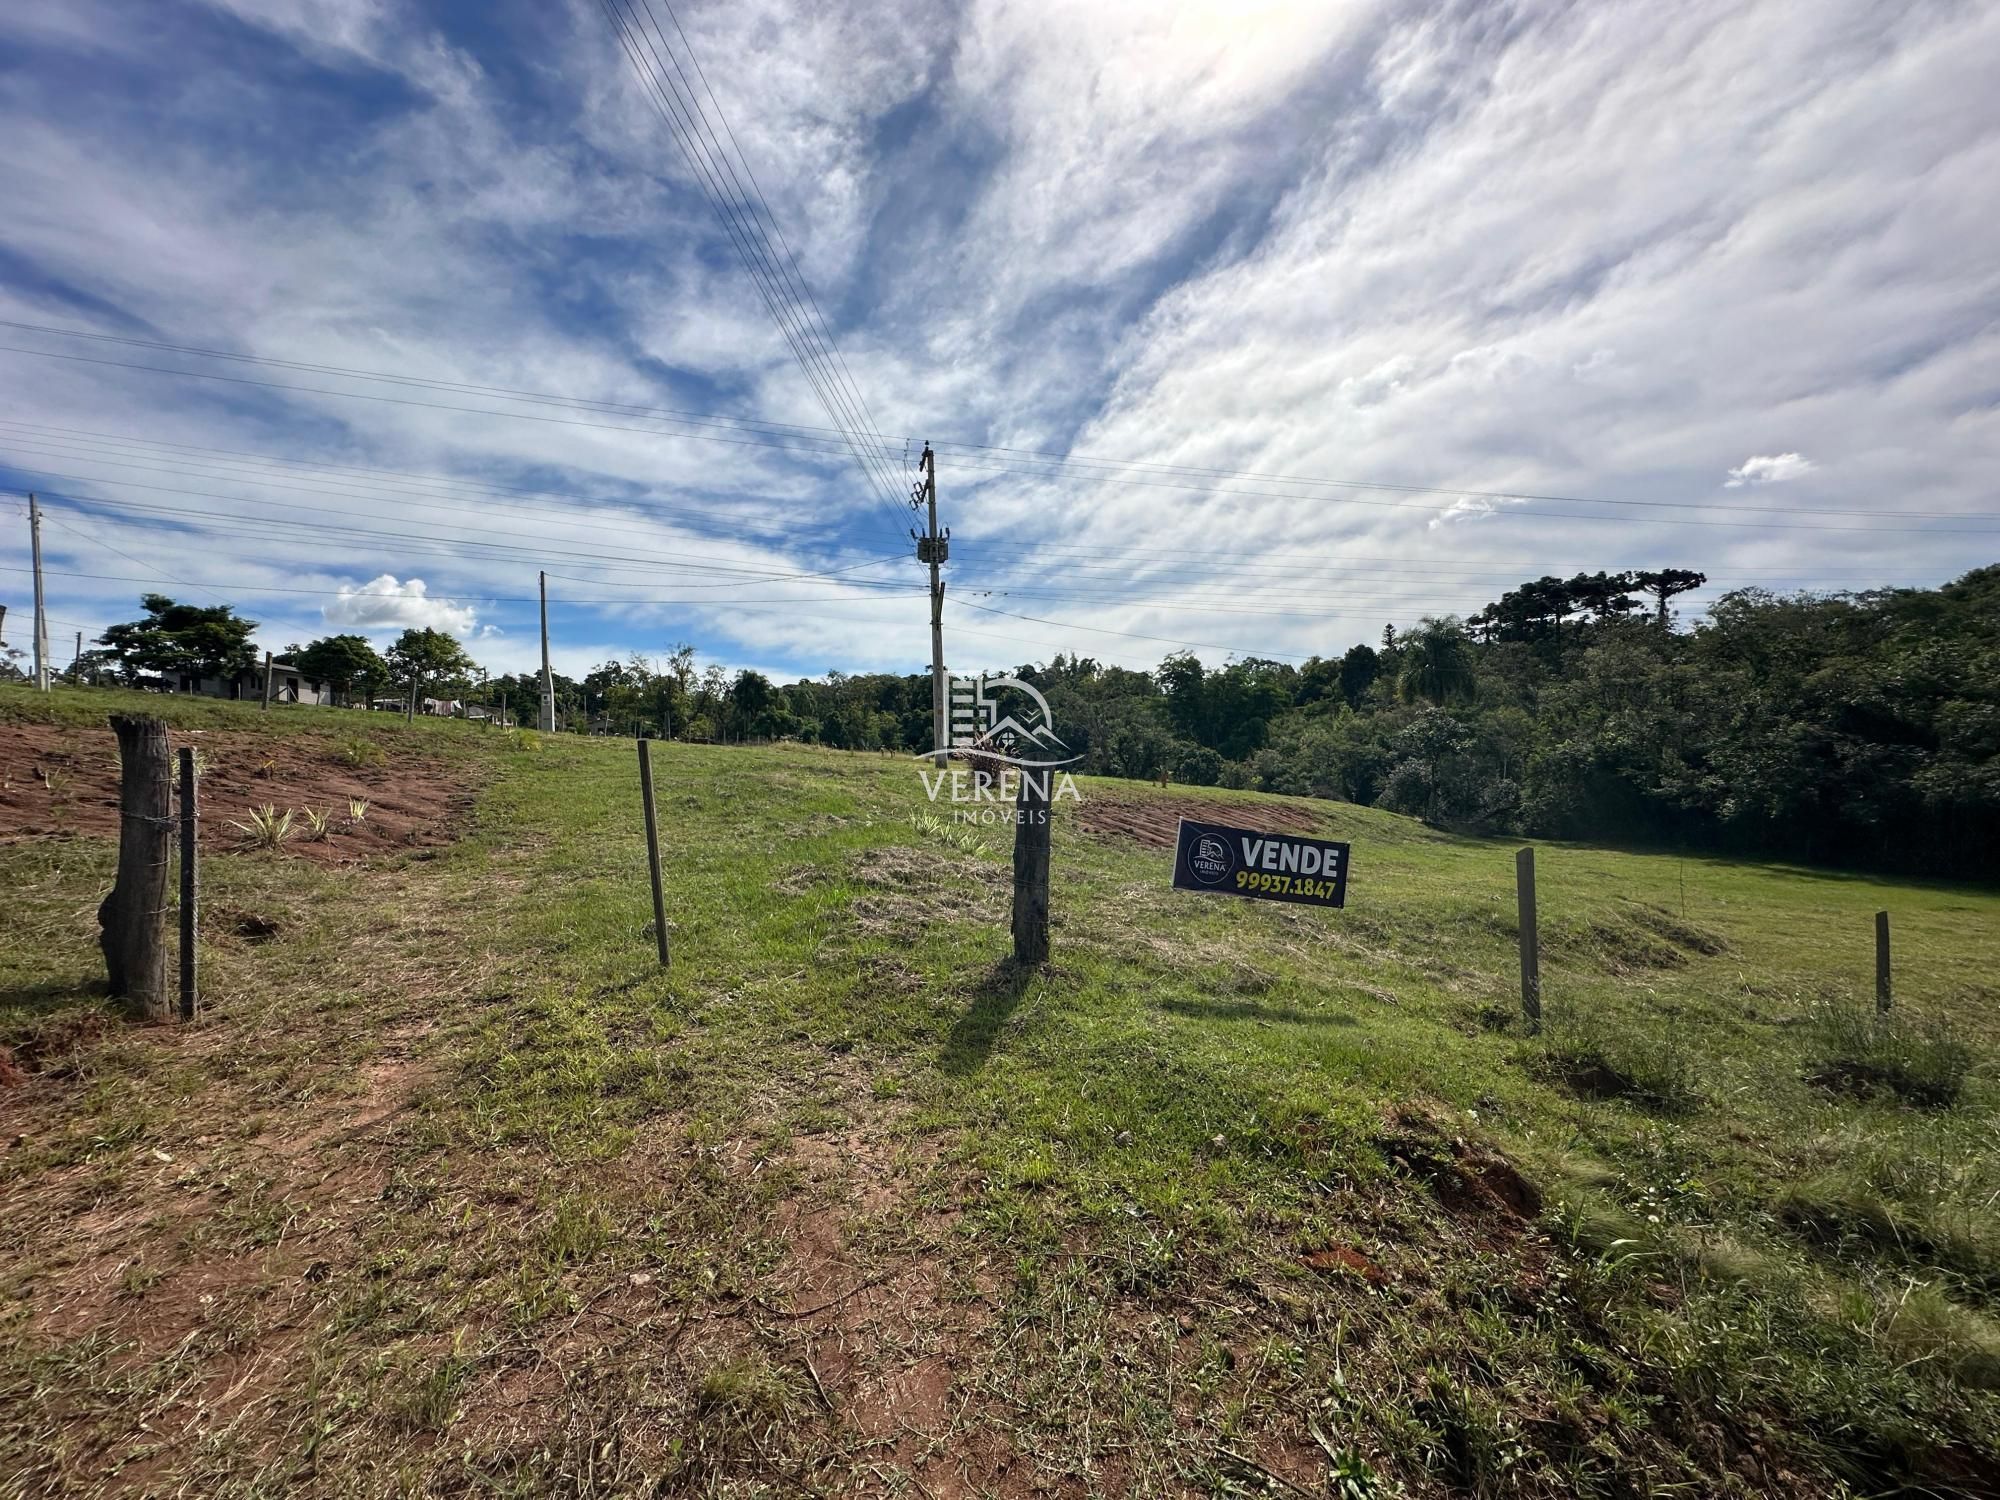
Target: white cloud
{"x": 1571, "y": 250}
{"x": 1773, "y": 468}
{"x": 384, "y": 604}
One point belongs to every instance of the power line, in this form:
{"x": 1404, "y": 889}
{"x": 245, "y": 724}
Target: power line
{"x": 1044, "y": 471}
{"x": 678, "y": 115}
{"x": 798, "y": 275}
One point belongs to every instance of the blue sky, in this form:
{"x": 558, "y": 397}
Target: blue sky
{"x": 1726, "y": 271}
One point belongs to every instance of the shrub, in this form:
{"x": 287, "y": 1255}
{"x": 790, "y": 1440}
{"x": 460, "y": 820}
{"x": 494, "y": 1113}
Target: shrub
{"x": 319, "y": 824}
{"x": 523, "y": 739}
{"x": 1858, "y": 1049}
{"x": 1601, "y": 1058}
{"x": 1198, "y": 766}
{"x": 358, "y": 751}
{"x": 267, "y": 827}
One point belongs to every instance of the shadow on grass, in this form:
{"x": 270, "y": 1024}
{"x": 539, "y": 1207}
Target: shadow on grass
{"x": 994, "y": 999}
{"x": 22, "y": 1005}
{"x": 1250, "y": 1010}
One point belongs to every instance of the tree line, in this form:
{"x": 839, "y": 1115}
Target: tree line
{"x": 1844, "y": 727}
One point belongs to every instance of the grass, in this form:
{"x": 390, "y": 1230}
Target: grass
{"x": 1230, "y": 1198}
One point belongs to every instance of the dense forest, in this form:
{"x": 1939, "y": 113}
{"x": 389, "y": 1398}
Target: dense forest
{"x": 1840, "y": 728}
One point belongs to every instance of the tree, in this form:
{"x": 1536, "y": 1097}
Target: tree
{"x": 182, "y": 640}
{"x": 343, "y": 663}
{"x": 429, "y": 658}
{"x": 1664, "y": 585}
{"x": 1358, "y": 670}
{"x": 1436, "y": 663}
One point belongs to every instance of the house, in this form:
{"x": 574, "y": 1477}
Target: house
{"x": 287, "y": 686}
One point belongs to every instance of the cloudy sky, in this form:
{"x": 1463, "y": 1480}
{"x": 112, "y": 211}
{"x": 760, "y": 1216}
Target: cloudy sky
{"x": 1242, "y": 327}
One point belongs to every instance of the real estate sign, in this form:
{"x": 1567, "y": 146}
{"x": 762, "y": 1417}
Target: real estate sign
{"x": 1269, "y": 866}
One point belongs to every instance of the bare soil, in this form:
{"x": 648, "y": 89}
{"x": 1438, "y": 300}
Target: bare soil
{"x": 1155, "y": 821}
{"x": 57, "y": 782}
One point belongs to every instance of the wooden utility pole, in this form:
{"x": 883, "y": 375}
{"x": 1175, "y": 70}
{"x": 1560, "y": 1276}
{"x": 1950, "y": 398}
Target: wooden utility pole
{"x": 934, "y": 549}
{"x": 132, "y": 918}
{"x": 548, "y": 681}
{"x": 190, "y": 883}
{"x": 653, "y": 849}
{"x": 267, "y": 682}
{"x": 410, "y": 707}
{"x": 41, "y": 610}
{"x": 76, "y": 662}
{"x": 1882, "y": 961}
{"x": 1031, "y": 869}
{"x": 1531, "y": 945}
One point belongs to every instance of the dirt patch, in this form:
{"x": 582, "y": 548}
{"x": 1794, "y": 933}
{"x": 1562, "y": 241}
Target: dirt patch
{"x": 1341, "y": 1260}
{"x": 1154, "y": 821}
{"x": 1471, "y": 1181}
{"x": 58, "y": 782}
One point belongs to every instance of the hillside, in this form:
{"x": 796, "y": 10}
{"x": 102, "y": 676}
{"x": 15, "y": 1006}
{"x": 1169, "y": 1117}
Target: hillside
{"x": 451, "y": 1189}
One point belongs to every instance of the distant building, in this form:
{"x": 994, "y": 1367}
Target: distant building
{"x": 287, "y": 686}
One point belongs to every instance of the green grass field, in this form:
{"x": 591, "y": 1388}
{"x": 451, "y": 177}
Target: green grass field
{"x": 451, "y": 1189}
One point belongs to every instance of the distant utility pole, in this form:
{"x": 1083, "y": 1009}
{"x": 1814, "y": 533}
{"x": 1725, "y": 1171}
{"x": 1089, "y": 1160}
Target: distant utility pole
{"x": 934, "y": 548}
{"x": 41, "y": 612}
{"x": 548, "y": 682}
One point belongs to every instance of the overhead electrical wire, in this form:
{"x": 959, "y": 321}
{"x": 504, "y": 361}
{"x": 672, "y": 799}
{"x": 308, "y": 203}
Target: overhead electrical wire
{"x": 680, "y": 115}
{"x": 801, "y": 442}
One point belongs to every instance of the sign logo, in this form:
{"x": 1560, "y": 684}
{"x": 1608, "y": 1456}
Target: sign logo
{"x": 1209, "y": 859}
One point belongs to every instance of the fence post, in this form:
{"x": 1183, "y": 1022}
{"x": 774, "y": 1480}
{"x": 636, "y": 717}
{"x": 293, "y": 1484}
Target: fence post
{"x": 1882, "y": 960}
{"x": 267, "y": 680}
{"x": 190, "y": 883}
{"x": 1031, "y": 869}
{"x": 653, "y": 848}
{"x": 132, "y": 918}
{"x": 1531, "y": 947}
{"x": 410, "y": 707}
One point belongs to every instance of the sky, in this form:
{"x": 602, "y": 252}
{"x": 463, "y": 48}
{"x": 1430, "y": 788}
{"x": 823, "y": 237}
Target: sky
{"x": 1240, "y": 328}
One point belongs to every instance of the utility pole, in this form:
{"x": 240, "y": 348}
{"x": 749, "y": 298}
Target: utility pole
{"x": 548, "y": 682}
{"x": 934, "y": 549}
{"x": 76, "y": 662}
{"x": 41, "y": 612}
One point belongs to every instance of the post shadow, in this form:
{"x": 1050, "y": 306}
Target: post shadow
{"x": 994, "y": 999}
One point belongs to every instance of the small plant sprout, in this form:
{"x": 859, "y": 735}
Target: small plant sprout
{"x": 266, "y": 769}
{"x": 357, "y": 809}
{"x": 319, "y": 823}
{"x": 266, "y": 827}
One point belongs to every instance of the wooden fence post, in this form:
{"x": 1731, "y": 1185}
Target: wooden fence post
{"x": 653, "y": 848}
{"x": 267, "y": 680}
{"x": 1031, "y": 869}
{"x": 132, "y": 918}
{"x": 190, "y": 883}
{"x": 1882, "y": 961}
{"x": 410, "y": 707}
{"x": 1531, "y": 946}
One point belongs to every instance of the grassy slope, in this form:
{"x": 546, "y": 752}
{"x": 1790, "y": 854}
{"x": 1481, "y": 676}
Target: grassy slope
{"x": 475, "y": 1193}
